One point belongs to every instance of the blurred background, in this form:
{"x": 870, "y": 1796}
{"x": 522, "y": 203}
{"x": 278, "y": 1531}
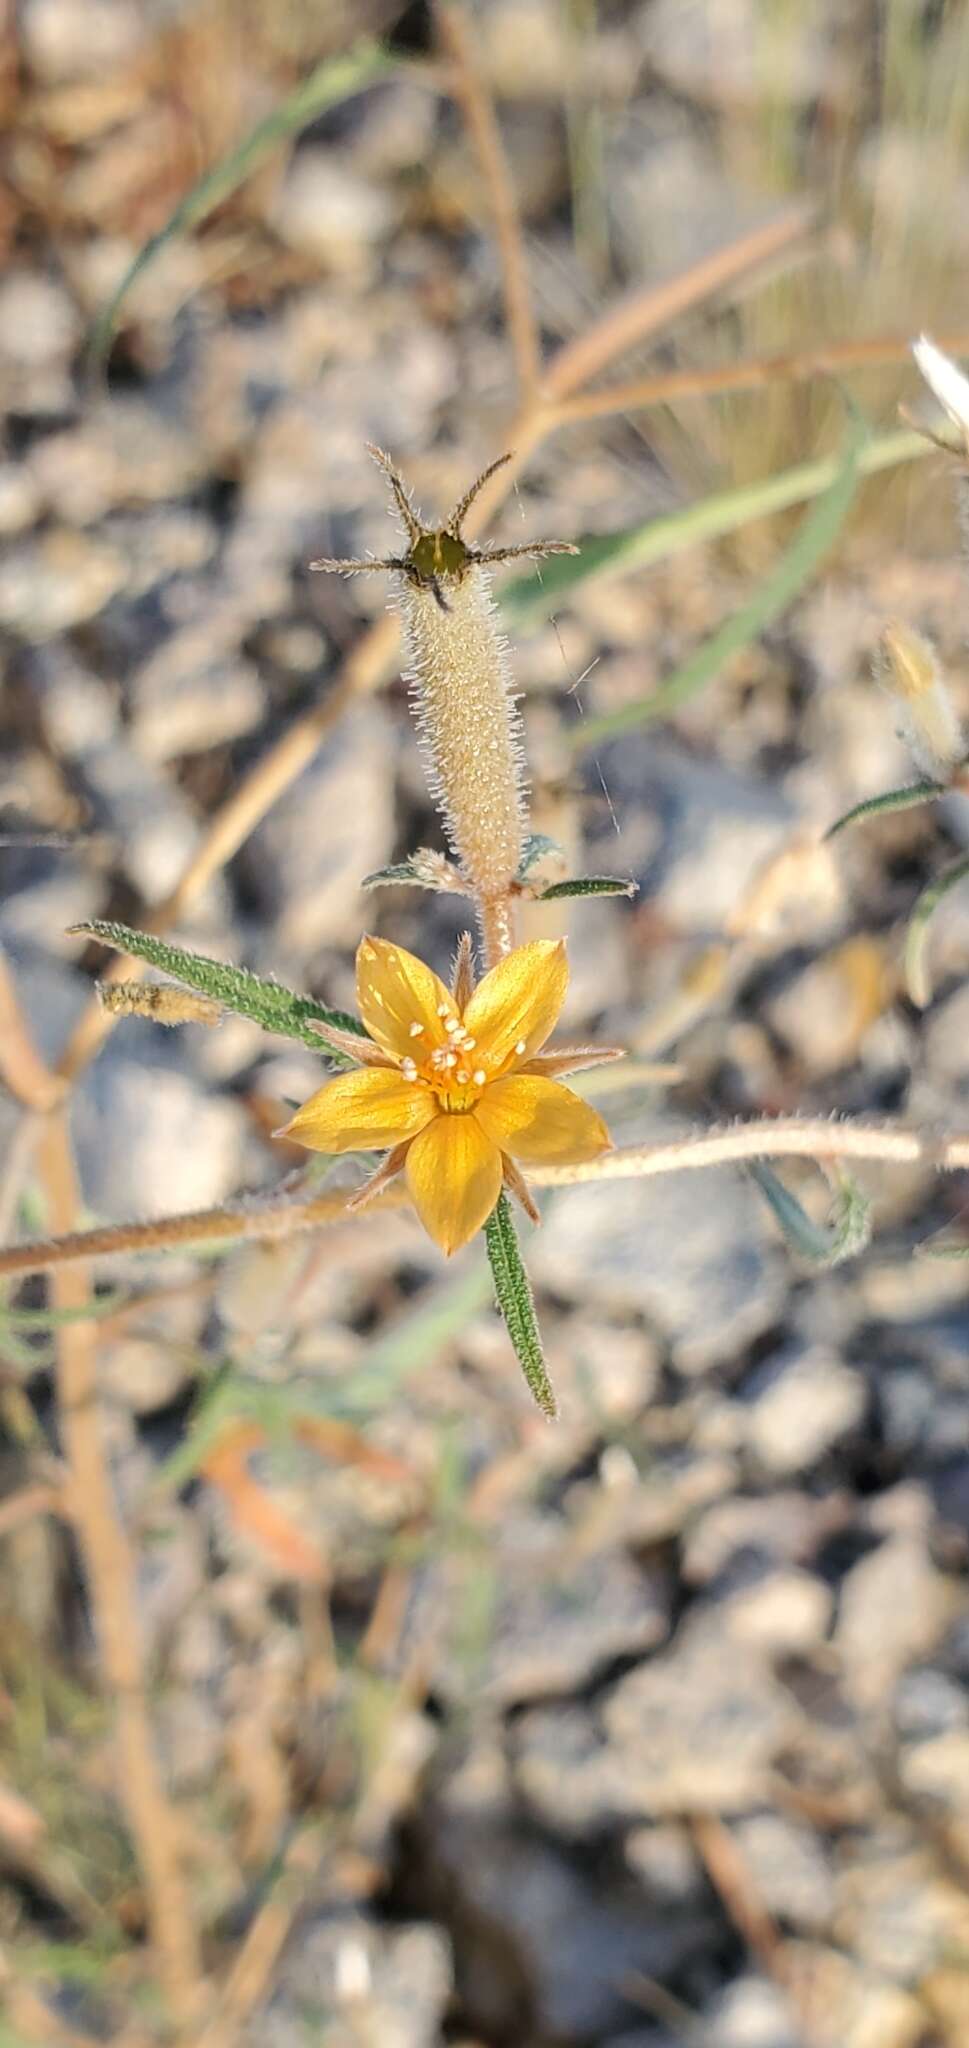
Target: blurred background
{"x": 342, "y": 1699}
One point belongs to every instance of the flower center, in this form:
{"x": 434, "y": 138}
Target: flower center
{"x": 454, "y": 1067}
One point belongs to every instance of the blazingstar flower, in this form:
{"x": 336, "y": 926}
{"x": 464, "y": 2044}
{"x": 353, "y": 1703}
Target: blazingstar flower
{"x": 455, "y": 1083}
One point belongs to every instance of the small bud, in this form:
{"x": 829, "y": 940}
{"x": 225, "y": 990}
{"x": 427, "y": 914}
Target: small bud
{"x": 928, "y": 722}
{"x": 157, "y": 1000}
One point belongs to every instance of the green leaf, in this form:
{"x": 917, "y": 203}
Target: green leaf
{"x": 811, "y": 543}
{"x": 268, "y": 1003}
{"x": 916, "y": 972}
{"x": 538, "y": 846}
{"x": 590, "y": 885}
{"x": 403, "y": 873}
{"x": 516, "y": 1303}
{"x": 903, "y": 799}
{"x": 528, "y": 599}
{"x": 822, "y": 1245}
{"x": 336, "y": 78}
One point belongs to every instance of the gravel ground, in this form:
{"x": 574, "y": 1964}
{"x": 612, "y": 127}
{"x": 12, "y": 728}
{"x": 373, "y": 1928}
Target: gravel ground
{"x": 650, "y": 1728}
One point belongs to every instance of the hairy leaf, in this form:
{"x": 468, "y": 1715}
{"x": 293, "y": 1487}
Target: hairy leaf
{"x": 538, "y": 846}
{"x": 903, "y": 799}
{"x": 268, "y": 1003}
{"x": 590, "y": 885}
{"x": 516, "y": 1303}
{"x": 846, "y": 1234}
{"x": 916, "y": 970}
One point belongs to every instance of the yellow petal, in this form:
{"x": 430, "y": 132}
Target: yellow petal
{"x": 540, "y": 1122}
{"x": 454, "y": 1176}
{"x": 396, "y": 990}
{"x": 518, "y": 1002}
{"x": 362, "y": 1112}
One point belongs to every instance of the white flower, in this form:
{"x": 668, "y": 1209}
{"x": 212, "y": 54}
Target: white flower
{"x": 947, "y": 383}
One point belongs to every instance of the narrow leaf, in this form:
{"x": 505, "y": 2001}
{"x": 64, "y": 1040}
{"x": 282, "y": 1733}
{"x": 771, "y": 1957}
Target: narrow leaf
{"x": 528, "y": 599}
{"x": 336, "y": 78}
{"x": 268, "y": 1003}
{"x": 538, "y": 846}
{"x": 403, "y": 873}
{"x": 811, "y": 543}
{"x": 516, "y": 1303}
{"x": 904, "y": 799}
{"x": 822, "y": 1245}
{"x": 590, "y": 885}
{"x": 916, "y": 970}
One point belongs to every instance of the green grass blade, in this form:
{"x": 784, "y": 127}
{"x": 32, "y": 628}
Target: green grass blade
{"x": 516, "y": 1303}
{"x": 531, "y": 598}
{"x": 816, "y": 535}
{"x": 903, "y": 799}
{"x": 335, "y": 79}
{"x": 267, "y": 1003}
{"x": 916, "y": 971}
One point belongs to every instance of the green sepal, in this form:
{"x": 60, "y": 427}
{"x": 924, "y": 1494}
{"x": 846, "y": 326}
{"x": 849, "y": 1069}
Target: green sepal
{"x": 844, "y": 1236}
{"x": 903, "y": 799}
{"x": 538, "y": 846}
{"x": 916, "y": 974}
{"x": 267, "y": 1003}
{"x": 589, "y": 885}
{"x": 516, "y": 1303}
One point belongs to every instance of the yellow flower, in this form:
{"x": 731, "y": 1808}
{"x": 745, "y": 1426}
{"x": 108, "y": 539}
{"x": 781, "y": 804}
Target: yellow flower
{"x": 456, "y": 1084}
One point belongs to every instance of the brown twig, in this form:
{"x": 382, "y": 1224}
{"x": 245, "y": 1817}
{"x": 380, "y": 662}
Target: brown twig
{"x": 457, "y": 38}
{"x": 665, "y": 387}
{"x": 110, "y": 1573}
{"x": 815, "y": 1138}
{"x": 655, "y": 306}
{"x": 21, "y": 1068}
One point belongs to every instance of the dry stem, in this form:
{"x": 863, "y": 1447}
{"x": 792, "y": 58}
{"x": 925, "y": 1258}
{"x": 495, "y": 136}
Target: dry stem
{"x": 816, "y": 1138}
{"x": 664, "y": 387}
{"x": 456, "y": 34}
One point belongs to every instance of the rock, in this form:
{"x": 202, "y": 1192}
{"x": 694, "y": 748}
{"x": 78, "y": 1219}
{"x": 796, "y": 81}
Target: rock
{"x": 56, "y": 582}
{"x": 78, "y": 709}
{"x": 894, "y": 1607}
{"x": 390, "y": 1984}
{"x": 784, "y": 1527}
{"x": 718, "y": 829}
{"x": 852, "y": 2006}
{"x": 898, "y": 1914}
{"x": 782, "y": 1614}
{"x": 697, "y": 1269}
{"x": 665, "y": 1862}
{"x": 801, "y": 1405}
{"x": 72, "y": 39}
{"x": 19, "y": 501}
{"x": 39, "y": 330}
{"x": 751, "y": 2013}
{"x": 697, "y": 1728}
{"x": 826, "y": 1012}
{"x": 562, "y": 1615}
{"x": 145, "y": 811}
{"x": 182, "y": 706}
{"x": 333, "y": 826}
{"x": 542, "y": 1951}
{"x": 328, "y": 212}
{"x": 789, "y": 1868}
{"x": 125, "y": 451}
{"x": 150, "y": 1141}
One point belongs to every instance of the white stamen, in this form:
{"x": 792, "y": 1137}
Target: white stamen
{"x": 442, "y": 1010}
{"x": 469, "y": 1043}
{"x": 417, "y": 1031}
{"x": 450, "y": 1059}
{"x": 409, "y": 1070}
{"x": 520, "y": 1046}
{"x": 479, "y": 1077}
{"x": 462, "y": 1075}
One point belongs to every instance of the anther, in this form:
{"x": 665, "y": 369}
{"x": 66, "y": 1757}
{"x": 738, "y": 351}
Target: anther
{"x": 521, "y": 1046}
{"x": 463, "y": 1076}
{"x": 416, "y": 1031}
{"x": 409, "y": 1069}
{"x": 450, "y": 1059}
{"x": 479, "y": 1077}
